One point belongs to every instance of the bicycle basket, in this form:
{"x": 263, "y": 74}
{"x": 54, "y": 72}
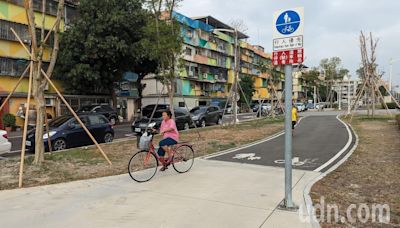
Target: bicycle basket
{"x": 145, "y": 140}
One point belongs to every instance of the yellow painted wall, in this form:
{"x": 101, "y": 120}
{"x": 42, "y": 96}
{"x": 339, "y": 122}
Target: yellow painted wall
{"x": 261, "y": 93}
{"x": 231, "y": 76}
{"x": 8, "y": 83}
{"x": 15, "y": 13}
{"x": 15, "y": 50}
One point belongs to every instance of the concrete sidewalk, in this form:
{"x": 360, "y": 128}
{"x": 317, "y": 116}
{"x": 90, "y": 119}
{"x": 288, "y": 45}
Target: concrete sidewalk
{"x": 213, "y": 194}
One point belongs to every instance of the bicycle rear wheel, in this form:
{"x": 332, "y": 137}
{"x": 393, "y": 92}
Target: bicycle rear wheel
{"x": 142, "y": 166}
{"x": 183, "y": 158}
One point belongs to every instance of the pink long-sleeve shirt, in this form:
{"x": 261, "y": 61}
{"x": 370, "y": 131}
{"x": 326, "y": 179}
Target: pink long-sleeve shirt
{"x": 168, "y": 125}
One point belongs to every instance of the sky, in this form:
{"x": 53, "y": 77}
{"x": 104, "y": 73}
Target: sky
{"x": 332, "y": 27}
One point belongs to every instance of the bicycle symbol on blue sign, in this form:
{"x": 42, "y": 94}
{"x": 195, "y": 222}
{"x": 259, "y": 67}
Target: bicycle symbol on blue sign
{"x": 288, "y": 22}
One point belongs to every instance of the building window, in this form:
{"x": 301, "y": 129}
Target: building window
{"x": 51, "y": 5}
{"x": 7, "y": 34}
{"x": 15, "y": 67}
{"x": 181, "y": 104}
{"x": 21, "y": 30}
{"x": 188, "y": 51}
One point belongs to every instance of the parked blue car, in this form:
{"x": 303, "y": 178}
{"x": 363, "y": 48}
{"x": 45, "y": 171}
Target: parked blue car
{"x": 65, "y": 132}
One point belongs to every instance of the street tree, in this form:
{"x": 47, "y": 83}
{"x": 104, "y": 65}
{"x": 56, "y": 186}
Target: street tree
{"x": 273, "y": 79}
{"x": 333, "y": 71}
{"x": 165, "y": 42}
{"x": 106, "y": 40}
{"x": 247, "y": 85}
{"x": 39, "y": 42}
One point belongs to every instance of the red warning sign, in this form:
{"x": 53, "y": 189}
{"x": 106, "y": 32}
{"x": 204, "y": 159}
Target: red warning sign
{"x": 295, "y": 56}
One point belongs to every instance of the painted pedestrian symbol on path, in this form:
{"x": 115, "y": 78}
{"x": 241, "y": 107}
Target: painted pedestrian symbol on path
{"x": 288, "y": 22}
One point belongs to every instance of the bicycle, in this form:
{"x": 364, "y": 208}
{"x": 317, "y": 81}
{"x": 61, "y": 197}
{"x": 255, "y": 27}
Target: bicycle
{"x": 288, "y": 29}
{"x": 143, "y": 165}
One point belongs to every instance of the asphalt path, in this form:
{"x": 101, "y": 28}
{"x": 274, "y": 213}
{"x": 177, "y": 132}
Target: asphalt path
{"x": 318, "y": 142}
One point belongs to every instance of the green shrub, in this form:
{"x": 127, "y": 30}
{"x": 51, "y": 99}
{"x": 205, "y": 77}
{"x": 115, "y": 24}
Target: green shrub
{"x": 8, "y": 120}
{"x": 335, "y": 106}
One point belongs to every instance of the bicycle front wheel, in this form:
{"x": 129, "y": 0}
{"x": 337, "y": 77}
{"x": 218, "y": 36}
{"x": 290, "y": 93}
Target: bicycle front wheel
{"x": 183, "y": 158}
{"x": 142, "y": 166}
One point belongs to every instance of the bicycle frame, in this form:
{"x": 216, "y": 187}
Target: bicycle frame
{"x": 152, "y": 150}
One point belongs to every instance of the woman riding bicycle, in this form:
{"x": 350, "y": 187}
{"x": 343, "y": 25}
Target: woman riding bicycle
{"x": 170, "y": 137}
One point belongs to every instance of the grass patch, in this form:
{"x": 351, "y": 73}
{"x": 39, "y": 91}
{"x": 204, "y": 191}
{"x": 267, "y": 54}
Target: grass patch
{"x": 368, "y": 176}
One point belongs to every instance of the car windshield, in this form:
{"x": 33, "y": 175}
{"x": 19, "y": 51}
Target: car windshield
{"x": 85, "y": 109}
{"x": 157, "y": 114}
{"x": 57, "y": 122}
{"x": 198, "y": 110}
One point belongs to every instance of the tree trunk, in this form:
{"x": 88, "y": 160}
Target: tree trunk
{"x": 171, "y": 97}
{"x": 113, "y": 97}
{"x": 38, "y": 94}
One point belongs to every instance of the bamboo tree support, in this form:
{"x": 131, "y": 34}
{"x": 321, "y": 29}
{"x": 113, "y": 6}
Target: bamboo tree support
{"x": 76, "y": 117}
{"x": 21, "y": 167}
{"x": 15, "y": 88}
{"x": 382, "y": 99}
{"x": 22, "y": 43}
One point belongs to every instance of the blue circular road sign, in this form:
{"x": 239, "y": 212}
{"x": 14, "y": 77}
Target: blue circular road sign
{"x": 288, "y": 22}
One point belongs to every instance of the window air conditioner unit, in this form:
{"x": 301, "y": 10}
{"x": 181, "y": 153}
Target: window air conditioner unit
{"x": 216, "y": 77}
{"x": 205, "y": 75}
{"x": 49, "y": 102}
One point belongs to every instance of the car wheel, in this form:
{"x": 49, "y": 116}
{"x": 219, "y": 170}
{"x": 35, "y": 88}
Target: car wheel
{"x": 203, "y": 123}
{"x": 59, "y": 144}
{"x": 108, "y": 137}
{"x": 187, "y": 126}
{"x": 219, "y": 122}
{"x": 113, "y": 121}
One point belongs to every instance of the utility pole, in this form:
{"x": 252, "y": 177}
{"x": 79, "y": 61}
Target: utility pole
{"x": 236, "y": 81}
{"x": 340, "y": 94}
{"x": 236, "y": 61}
{"x": 348, "y": 95}
{"x": 315, "y": 96}
{"x": 391, "y": 61}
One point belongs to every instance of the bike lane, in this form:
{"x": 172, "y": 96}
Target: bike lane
{"x": 318, "y": 142}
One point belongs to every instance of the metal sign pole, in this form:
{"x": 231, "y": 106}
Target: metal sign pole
{"x": 288, "y": 136}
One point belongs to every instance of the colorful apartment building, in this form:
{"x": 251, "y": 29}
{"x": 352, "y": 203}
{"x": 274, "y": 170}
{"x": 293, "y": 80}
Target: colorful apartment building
{"x": 207, "y": 73}
{"x": 14, "y": 59}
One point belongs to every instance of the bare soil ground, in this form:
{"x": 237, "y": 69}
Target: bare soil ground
{"x": 370, "y": 176}
{"x": 80, "y": 163}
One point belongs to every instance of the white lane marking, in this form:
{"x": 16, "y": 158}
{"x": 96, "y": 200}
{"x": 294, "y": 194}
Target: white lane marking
{"x": 245, "y": 146}
{"x": 250, "y": 144}
{"x": 249, "y": 156}
{"x": 341, "y": 151}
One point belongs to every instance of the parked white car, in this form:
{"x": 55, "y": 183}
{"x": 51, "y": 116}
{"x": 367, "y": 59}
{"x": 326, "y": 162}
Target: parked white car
{"x": 300, "y": 107}
{"x": 5, "y": 145}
